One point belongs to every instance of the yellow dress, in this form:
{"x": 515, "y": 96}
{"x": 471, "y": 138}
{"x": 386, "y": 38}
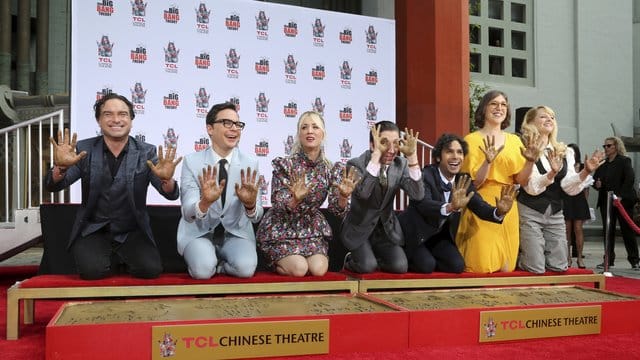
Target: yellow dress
{"x": 486, "y": 246}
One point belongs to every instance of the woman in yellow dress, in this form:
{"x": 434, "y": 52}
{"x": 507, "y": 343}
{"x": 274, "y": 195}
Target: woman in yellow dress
{"x": 495, "y": 158}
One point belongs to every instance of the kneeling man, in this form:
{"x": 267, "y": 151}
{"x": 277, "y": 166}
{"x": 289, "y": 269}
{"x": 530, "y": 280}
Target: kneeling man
{"x": 430, "y": 224}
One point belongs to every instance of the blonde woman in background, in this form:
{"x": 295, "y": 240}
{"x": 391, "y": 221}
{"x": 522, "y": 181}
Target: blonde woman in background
{"x": 617, "y": 175}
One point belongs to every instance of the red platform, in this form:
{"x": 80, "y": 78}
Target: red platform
{"x": 401, "y": 327}
{"x": 54, "y": 281}
{"x": 348, "y": 332}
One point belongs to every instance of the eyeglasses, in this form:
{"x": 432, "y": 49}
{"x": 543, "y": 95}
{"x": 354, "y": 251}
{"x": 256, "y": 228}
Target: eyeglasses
{"x": 605, "y": 146}
{"x": 229, "y": 123}
{"x": 496, "y": 104}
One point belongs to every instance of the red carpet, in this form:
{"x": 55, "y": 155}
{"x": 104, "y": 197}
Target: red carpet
{"x": 31, "y": 344}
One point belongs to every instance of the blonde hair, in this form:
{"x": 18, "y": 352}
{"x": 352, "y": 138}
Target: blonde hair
{"x": 317, "y": 118}
{"x": 528, "y": 128}
{"x": 619, "y": 145}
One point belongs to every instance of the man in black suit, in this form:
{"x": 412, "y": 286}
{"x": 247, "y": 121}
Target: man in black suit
{"x": 112, "y": 224}
{"x": 430, "y": 224}
{"x": 617, "y": 175}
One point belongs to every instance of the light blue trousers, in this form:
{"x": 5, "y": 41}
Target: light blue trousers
{"x": 230, "y": 255}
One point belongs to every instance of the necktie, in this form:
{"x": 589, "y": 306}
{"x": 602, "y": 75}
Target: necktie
{"x": 383, "y": 177}
{"x": 222, "y": 175}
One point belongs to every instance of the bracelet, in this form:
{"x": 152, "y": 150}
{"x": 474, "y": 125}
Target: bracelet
{"x": 414, "y": 164}
{"x": 199, "y": 213}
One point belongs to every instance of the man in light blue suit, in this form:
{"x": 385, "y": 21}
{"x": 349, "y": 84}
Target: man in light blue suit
{"x": 215, "y": 233}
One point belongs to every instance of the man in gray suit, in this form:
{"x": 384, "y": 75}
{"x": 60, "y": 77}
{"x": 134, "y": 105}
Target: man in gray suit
{"x": 215, "y": 233}
{"x": 370, "y": 230}
{"x": 112, "y": 224}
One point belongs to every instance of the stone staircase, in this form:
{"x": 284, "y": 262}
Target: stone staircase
{"x": 21, "y": 234}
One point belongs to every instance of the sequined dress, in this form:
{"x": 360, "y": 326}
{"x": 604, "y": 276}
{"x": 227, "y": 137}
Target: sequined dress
{"x": 304, "y": 230}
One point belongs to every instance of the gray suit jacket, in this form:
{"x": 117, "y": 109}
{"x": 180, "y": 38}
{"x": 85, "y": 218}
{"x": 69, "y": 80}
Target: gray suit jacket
{"x": 89, "y": 170}
{"x": 233, "y": 217}
{"x": 369, "y": 204}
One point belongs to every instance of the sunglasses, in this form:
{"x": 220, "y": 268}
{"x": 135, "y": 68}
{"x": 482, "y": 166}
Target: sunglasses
{"x": 605, "y": 146}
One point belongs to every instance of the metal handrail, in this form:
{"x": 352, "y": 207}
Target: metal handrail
{"x": 402, "y": 199}
{"x": 21, "y": 158}
{"x": 423, "y": 148}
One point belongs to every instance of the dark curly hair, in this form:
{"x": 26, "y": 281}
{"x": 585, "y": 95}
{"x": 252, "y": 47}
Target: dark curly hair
{"x": 443, "y": 142}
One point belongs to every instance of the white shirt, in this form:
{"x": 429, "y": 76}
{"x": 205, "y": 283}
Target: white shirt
{"x": 217, "y": 158}
{"x": 570, "y": 183}
{"x": 374, "y": 169}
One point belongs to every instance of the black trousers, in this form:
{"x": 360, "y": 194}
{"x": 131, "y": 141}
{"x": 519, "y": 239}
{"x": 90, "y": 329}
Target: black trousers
{"x": 98, "y": 255}
{"x": 628, "y": 234}
{"x": 437, "y": 253}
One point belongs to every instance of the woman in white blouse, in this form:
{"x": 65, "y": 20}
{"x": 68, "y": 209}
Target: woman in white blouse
{"x": 543, "y": 240}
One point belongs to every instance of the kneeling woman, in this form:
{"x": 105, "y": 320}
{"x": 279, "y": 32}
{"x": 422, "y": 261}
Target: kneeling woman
{"x": 543, "y": 240}
{"x": 294, "y": 233}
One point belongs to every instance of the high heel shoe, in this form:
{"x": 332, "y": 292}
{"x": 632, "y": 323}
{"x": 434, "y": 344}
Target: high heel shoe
{"x": 580, "y": 264}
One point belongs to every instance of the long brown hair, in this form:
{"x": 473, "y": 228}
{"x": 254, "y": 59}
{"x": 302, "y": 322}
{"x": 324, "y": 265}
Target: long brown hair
{"x": 481, "y": 110}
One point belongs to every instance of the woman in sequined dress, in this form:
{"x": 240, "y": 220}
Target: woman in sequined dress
{"x": 294, "y": 234}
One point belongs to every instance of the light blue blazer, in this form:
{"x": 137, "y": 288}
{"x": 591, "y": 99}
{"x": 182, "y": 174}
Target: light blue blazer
{"x": 233, "y": 216}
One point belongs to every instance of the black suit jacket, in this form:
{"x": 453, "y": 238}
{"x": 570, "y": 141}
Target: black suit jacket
{"x": 422, "y": 219}
{"x": 89, "y": 171}
{"x": 616, "y": 175}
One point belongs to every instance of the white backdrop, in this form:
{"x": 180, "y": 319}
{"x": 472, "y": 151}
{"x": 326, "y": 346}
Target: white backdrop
{"x": 175, "y": 59}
